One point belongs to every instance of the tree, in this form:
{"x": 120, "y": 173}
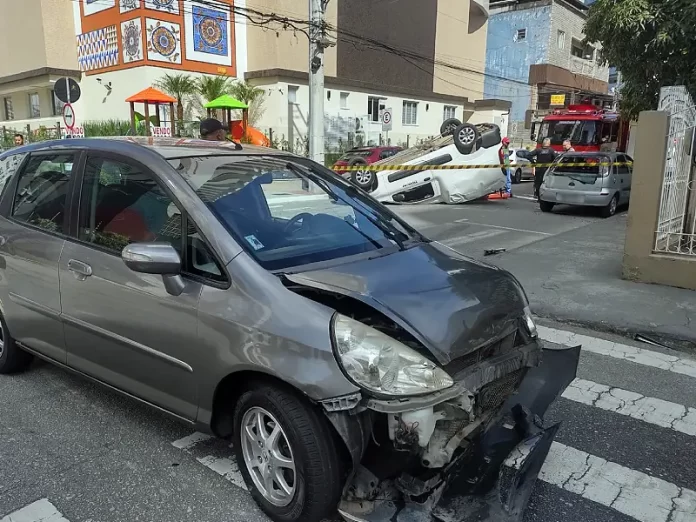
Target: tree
{"x": 253, "y": 96}
{"x": 652, "y": 43}
{"x": 211, "y": 87}
{"x": 180, "y": 86}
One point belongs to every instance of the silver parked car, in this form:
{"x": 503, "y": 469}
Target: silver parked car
{"x": 354, "y": 364}
{"x": 603, "y": 180}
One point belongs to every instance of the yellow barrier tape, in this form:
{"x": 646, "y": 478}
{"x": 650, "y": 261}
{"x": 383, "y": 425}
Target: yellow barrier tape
{"x": 469, "y": 167}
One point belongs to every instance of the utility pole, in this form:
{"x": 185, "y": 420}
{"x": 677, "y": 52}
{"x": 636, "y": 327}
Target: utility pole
{"x": 317, "y": 43}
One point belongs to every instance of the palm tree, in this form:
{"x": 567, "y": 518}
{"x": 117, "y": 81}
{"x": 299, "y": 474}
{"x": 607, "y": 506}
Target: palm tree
{"x": 253, "y": 96}
{"x": 212, "y": 87}
{"x": 179, "y": 86}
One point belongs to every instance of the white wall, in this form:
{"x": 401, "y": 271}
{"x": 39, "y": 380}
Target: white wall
{"x": 341, "y": 120}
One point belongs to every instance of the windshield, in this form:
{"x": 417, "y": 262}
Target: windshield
{"x": 580, "y": 132}
{"x": 591, "y": 165}
{"x": 286, "y": 215}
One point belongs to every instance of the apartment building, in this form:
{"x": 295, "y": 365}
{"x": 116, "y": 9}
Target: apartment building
{"x": 429, "y": 64}
{"x": 536, "y": 59}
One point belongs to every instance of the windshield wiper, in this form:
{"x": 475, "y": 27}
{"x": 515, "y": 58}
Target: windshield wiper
{"x": 385, "y": 226}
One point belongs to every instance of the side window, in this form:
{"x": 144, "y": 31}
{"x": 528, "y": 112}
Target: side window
{"x": 622, "y": 168}
{"x": 42, "y": 191}
{"x": 122, "y": 203}
{"x": 8, "y": 166}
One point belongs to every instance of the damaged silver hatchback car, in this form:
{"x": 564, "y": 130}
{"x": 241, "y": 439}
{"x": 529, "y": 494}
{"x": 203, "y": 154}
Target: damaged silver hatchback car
{"x": 356, "y": 365}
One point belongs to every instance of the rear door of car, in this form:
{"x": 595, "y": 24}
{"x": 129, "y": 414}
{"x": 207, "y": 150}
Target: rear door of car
{"x": 122, "y": 327}
{"x": 34, "y": 222}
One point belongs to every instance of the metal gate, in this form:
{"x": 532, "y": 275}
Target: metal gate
{"x": 676, "y": 224}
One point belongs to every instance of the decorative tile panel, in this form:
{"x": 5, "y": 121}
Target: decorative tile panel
{"x": 98, "y": 49}
{"x": 132, "y": 40}
{"x": 163, "y": 41}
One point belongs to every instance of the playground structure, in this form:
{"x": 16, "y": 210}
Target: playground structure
{"x": 150, "y": 96}
{"x": 238, "y": 129}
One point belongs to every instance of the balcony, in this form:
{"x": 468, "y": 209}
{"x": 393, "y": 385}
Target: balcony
{"x": 582, "y": 66}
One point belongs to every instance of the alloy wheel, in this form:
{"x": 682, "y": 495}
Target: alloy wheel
{"x": 268, "y": 456}
{"x": 467, "y": 135}
{"x": 363, "y": 177}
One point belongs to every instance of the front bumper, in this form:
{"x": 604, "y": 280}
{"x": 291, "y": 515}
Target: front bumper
{"x": 492, "y": 483}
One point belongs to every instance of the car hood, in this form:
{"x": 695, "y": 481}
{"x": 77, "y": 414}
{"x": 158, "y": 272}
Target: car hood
{"x": 451, "y": 303}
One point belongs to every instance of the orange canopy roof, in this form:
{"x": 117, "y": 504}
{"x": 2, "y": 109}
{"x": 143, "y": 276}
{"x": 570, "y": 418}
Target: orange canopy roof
{"x": 151, "y": 95}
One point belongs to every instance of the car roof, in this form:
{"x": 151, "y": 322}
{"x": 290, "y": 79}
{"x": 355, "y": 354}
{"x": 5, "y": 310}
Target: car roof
{"x": 168, "y": 148}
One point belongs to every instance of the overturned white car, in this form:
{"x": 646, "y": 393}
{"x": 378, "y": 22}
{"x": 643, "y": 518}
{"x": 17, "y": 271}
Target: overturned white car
{"x": 459, "y": 144}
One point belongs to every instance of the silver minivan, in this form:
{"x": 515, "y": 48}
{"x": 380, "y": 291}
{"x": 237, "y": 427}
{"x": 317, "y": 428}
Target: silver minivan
{"x": 590, "y": 179}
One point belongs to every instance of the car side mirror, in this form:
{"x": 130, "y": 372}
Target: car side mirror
{"x": 156, "y": 258}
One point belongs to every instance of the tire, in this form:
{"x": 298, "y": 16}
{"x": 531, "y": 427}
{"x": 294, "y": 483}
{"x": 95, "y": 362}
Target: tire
{"x": 362, "y": 178}
{"x": 12, "y": 358}
{"x": 449, "y": 126}
{"x": 611, "y": 207}
{"x": 465, "y": 137}
{"x": 310, "y": 442}
{"x": 546, "y": 206}
{"x": 517, "y": 179}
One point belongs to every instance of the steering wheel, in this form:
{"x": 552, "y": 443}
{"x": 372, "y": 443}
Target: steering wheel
{"x": 299, "y": 217}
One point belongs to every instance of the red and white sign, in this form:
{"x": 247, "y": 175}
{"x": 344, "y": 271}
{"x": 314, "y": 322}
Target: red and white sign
{"x": 387, "y": 119}
{"x": 69, "y": 116}
{"x": 162, "y": 132}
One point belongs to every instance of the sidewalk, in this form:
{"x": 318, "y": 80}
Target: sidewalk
{"x": 575, "y": 278}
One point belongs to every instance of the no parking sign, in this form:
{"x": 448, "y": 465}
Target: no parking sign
{"x": 387, "y": 119}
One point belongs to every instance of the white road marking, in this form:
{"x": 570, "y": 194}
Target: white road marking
{"x": 653, "y": 411}
{"x": 191, "y": 440}
{"x": 470, "y": 238}
{"x": 503, "y": 228}
{"x": 529, "y": 198}
{"x": 645, "y": 498}
{"x": 226, "y": 467}
{"x": 625, "y": 352}
{"x": 39, "y": 511}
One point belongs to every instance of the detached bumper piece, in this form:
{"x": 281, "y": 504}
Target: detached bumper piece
{"x": 494, "y": 481}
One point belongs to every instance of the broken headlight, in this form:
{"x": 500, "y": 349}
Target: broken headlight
{"x": 382, "y": 365}
{"x": 529, "y": 322}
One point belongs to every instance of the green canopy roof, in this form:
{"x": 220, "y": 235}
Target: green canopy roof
{"x": 225, "y": 102}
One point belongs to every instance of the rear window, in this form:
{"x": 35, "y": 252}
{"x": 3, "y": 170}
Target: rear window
{"x": 594, "y": 165}
{"x": 356, "y": 154}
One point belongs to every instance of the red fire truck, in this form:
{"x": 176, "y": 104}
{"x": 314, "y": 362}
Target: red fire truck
{"x": 588, "y": 127}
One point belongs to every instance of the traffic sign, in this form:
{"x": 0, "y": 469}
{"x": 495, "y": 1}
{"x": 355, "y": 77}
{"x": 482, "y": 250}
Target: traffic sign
{"x": 67, "y": 90}
{"x": 387, "y": 119}
{"x": 69, "y": 116}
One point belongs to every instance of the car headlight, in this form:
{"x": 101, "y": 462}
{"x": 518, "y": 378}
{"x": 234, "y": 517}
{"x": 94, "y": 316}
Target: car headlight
{"x": 382, "y": 365}
{"x": 529, "y": 322}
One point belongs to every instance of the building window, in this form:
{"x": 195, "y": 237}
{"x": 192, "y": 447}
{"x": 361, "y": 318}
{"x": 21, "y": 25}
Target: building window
{"x": 375, "y": 106}
{"x": 577, "y": 49}
{"x": 56, "y": 105}
{"x": 520, "y": 35}
{"x": 34, "y": 105}
{"x": 449, "y": 112}
{"x": 9, "y": 111}
{"x": 344, "y": 100}
{"x": 410, "y": 114}
{"x": 561, "y": 39}
{"x": 292, "y": 93}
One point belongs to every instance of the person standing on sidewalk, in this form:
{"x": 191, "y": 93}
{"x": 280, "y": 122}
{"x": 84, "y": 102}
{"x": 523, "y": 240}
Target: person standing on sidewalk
{"x": 504, "y": 157}
{"x": 213, "y": 130}
{"x": 543, "y": 158}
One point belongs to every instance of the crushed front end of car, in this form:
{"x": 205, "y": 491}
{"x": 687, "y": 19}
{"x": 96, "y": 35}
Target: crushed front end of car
{"x": 471, "y": 450}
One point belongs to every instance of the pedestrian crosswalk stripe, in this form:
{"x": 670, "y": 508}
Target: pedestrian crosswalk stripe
{"x": 39, "y": 511}
{"x": 626, "y": 352}
{"x": 469, "y": 238}
{"x": 226, "y": 467}
{"x": 633, "y": 493}
{"x": 190, "y": 440}
{"x": 653, "y": 411}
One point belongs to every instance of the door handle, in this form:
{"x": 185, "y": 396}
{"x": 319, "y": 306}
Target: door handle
{"x": 79, "y": 269}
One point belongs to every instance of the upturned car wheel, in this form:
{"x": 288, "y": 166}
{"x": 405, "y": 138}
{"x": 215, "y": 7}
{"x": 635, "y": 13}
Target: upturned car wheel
{"x": 449, "y": 126}
{"x": 465, "y": 137}
{"x": 12, "y": 358}
{"x": 288, "y": 455}
{"x": 363, "y": 178}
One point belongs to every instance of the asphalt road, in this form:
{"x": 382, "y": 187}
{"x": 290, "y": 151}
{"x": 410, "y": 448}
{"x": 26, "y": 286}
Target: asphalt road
{"x": 72, "y": 451}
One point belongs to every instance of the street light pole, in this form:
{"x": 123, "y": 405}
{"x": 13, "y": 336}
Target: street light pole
{"x": 317, "y": 43}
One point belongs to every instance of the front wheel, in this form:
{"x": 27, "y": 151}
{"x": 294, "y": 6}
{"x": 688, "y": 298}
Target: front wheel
{"x": 288, "y": 454}
{"x": 518, "y": 176}
{"x": 12, "y": 358}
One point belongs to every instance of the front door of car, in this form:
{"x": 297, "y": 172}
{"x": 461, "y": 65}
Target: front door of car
{"x": 33, "y": 227}
{"x": 122, "y": 327}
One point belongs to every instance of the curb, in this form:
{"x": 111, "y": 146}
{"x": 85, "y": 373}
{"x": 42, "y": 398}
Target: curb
{"x": 685, "y": 343}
